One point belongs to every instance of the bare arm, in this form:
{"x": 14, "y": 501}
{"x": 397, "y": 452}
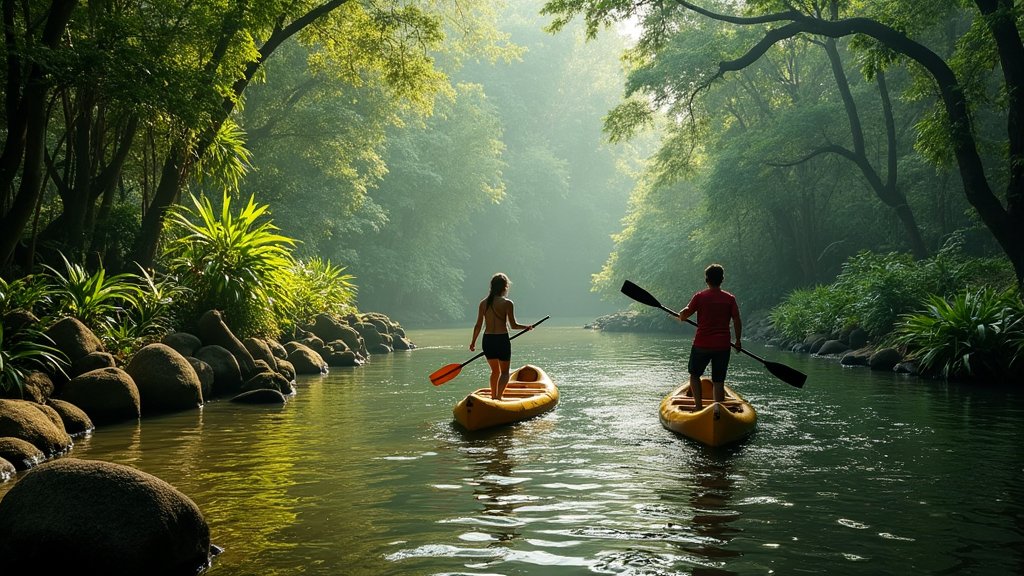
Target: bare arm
{"x": 476, "y": 327}
{"x": 512, "y": 318}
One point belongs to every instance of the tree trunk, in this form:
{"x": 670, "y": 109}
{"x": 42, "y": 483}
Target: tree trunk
{"x": 887, "y": 191}
{"x": 26, "y": 137}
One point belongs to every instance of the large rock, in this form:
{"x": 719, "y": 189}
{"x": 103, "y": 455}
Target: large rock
{"x": 285, "y": 368}
{"x": 277, "y": 349}
{"x": 20, "y": 453}
{"x": 305, "y": 359}
{"x": 261, "y": 396}
{"x": 165, "y": 379}
{"x": 32, "y": 423}
{"x": 186, "y": 344}
{"x": 227, "y": 376}
{"x": 831, "y": 348}
{"x": 92, "y": 361}
{"x": 327, "y": 328}
{"x": 206, "y": 376}
{"x": 35, "y": 386}
{"x": 76, "y": 421}
{"x": 260, "y": 350}
{"x": 885, "y": 359}
{"x": 73, "y": 516}
{"x": 107, "y": 395}
{"x": 371, "y": 336}
{"x": 73, "y": 338}
{"x": 213, "y": 330}
{"x": 269, "y": 381}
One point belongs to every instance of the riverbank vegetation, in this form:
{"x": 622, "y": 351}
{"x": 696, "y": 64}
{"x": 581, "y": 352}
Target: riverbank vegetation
{"x": 843, "y": 159}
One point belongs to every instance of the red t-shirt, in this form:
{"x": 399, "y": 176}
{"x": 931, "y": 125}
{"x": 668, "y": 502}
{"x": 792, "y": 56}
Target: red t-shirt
{"x": 714, "y": 308}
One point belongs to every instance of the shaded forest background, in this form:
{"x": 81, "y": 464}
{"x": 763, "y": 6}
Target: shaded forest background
{"x": 423, "y": 148}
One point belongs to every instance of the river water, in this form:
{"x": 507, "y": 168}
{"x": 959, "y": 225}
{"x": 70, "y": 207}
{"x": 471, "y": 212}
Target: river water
{"x": 363, "y": 472}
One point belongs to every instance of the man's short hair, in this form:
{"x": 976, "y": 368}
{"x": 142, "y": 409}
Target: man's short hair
{"x": 714, "y": 274}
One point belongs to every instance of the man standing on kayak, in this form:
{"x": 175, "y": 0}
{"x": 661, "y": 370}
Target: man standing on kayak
{"x": 714, "y": 308}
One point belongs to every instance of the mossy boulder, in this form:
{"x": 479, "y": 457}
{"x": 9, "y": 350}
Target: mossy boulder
{"x": 107, "y": 395}
{"x": 82, "y": 516}
{"x": 165, "y": 379}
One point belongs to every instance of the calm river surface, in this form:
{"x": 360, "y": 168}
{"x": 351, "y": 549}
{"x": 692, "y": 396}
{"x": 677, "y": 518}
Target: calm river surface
{"x": 363, "y": 472}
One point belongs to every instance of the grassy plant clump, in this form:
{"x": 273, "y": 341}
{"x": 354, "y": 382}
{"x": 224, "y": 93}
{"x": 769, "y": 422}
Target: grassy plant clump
{"x": 873, "y": 291}
{"x": 236, "y": 263}
{"x": 821, "y": 309}
{"x": 22, "y": 351}
{"x": 32, "y": 293}
{"x": 94, "y": 298}
{"x": 975, "y": 335}
{"x": 316, "y": 286}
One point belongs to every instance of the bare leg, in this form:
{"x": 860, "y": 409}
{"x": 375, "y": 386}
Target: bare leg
{"x": 495, "y": 376}
{"x": 502, "y": 379}
{"x": 695, "y": 388}
{"x": 719, "y": 391}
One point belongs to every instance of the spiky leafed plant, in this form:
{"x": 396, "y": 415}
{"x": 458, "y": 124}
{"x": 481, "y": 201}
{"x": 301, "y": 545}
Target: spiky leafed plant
{"x": 152, "y": 316}
{"x": 94, "y": 298}
{"x": 232, "y": 262}
{"x": 975, "y": 335}
{"x": 24, "y": 350}
{"x": 31, "y": 293}
{"x": 317, "y": 286}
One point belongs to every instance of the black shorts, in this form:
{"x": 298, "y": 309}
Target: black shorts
{"x": 700, "y": 357}
{"x": 497, "y": 347}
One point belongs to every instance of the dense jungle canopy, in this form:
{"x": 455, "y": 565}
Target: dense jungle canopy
{"x": 423, "y": 146}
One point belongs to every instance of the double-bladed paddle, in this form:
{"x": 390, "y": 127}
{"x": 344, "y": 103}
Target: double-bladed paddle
{"x": 788, "y": 375}
{"x": 446, "y": 373}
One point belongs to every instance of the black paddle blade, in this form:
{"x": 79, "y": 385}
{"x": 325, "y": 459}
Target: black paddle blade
{"x": 790, "y": 376}
{"x": 639, "y": 294}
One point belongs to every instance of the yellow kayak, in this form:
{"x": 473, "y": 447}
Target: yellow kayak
{"x": 530, "y": 392}
{"x": 716, "y": 424}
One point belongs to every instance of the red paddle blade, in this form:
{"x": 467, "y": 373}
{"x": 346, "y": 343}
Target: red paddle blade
{"x": 445, "y": 374}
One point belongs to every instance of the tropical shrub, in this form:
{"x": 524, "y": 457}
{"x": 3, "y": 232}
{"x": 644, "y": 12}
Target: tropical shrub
{"x": 236, "y": 263}
{"x": 24, "y": 350}
{"x": 822, "y": 309}
{"x": 153, "y": 315}
{"x": 975, "y": 335}
{"x": 873, "y": 291}
{"x": 31, "y": 293}
{"x": 316, "y": 286}
{"x": 94, "y": 298}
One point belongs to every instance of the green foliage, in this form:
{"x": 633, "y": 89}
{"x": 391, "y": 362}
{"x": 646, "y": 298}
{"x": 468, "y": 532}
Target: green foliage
{"x": 976, "y": 335}
{"x": 812, "y": 311}
{"x": 316, "y": 286}
{"x": 32, "y": 293}
{"x": 24, "y": 350}
{"x": 152, "y": 315}
{"x": 235, "y": 263}
{"x": 874, "y": 291}
{"x": 94, "y": 298}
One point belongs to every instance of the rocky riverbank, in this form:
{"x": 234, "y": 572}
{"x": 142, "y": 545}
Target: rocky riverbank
{"x": 138, "y": 524}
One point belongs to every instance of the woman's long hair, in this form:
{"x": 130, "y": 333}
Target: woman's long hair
{"x": 499, "y": 284}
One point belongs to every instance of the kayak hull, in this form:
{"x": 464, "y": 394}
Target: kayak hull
{"x": 530, "y": 392}
{"x": 716, "y": 424}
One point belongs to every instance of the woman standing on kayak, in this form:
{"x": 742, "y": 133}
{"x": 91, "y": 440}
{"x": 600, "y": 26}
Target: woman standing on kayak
{"x": 714, "y": 308}
{"x": 496, "y": 313}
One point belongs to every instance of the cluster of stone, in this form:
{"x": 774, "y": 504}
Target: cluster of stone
{"x": 137, "y": 523}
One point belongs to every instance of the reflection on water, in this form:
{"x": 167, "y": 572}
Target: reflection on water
{"x": 363, "y": 472}
{"x": 712, "y": 514}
